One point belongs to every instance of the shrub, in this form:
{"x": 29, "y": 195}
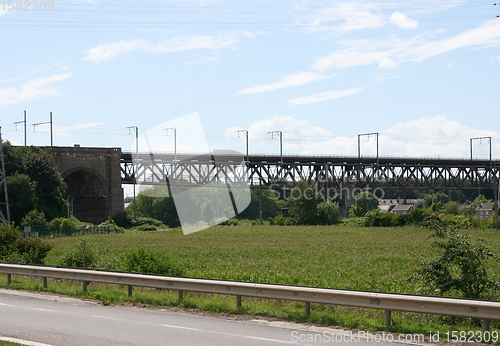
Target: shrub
{"x": 63, "y": 221}
{"x": 377, "y": 218}
{"x": 328, "y": 213}
{"x": 83, "y": 256}
{"x": 460, "y": 267}
{"x": 152, "y": 262}
{"x": 15, "y": 248}
{"x": 34, "y": 218}
{"x": 147, "y": 221}
{"x": 144, "y": 228}
{"x": 451, "y": 207}
{"x": 418, "y": 215}
{"x": 111, "y": 225}
{"x": 124, "y": 219}
{"x": 355, "y": 221}
{"x": 282, "y": 221}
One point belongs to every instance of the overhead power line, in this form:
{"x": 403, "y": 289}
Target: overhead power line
{"x": 149, "y": 25}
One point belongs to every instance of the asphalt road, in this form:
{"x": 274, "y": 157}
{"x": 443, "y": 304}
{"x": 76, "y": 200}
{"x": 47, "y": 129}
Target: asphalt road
{"x": 64, "y": 321}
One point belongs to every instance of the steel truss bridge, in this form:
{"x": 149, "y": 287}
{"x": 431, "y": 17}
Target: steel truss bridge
{"x": 331, "y": 171}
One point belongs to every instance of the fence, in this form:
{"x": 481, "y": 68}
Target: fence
{"x": 50, "y": 231}
{"x": 480, "y": 309}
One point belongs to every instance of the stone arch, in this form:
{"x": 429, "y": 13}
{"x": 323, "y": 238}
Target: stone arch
{"x": 87, "y": 193}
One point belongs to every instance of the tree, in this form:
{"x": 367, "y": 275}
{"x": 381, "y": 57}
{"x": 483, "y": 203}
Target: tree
{"x": 460, "y": 266}
{"x": 34, "y": 218}
{"x": 160, "y": 208}
{"x": 328, "y": 213}
{"x": 451, "y": 208}
{"x": 32, "y": 172}
{"x": 303, "y": 201}
{"x": 22, "y": 196}
{"x": 271, "y": 206}
{"x": 366, "y": 201}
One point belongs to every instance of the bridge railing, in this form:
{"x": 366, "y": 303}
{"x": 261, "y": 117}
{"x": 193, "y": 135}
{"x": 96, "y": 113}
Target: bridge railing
{"x": 480, "y": 309}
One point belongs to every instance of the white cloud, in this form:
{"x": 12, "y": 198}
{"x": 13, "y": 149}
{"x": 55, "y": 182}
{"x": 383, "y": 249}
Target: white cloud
{"x": 350, "y": 18}
{"x": 401, "y": 20}
{"x": 203, "y": 61}
{"x": 31, "y": 90}
{"x": 387, "y": 63}
{"x": 426, "y": 137}
{"x": 292, "y": 128}
{"x": 329, "y": 95}
{"x": 387, "y": 53}
{"x": 382, "y": 77}
{"x": 110, "y": 51}
{"x": 286, "y": 81}
{"x": 498, "y": 58}
{"x": 351, "y": 56}
{"x": 65, "y": 131}
{"x": 450, "y": 65}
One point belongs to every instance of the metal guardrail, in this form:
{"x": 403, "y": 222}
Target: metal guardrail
{"x": 481, "y": 309}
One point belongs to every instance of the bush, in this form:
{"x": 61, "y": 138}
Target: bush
{"x": 460, "y": 268}
{"x": 418, "y": 215}
{"x": 111, "y": 225}
{"x": 152, "y": 262}
{"x": 377, "y": 218}
{"x": 144, "y": 228}
{"x": 355, "y": 221}
{"x": 34, "y": 218}
{"x": 63, "y": 221}
{"x": 16, "y": 249}
{"x": 147, "y": 221}
{"x": 124, "y": 219}
{"x": 328, "y": 213}
{"x": 85, "y": 255}
{"x": 451, "y": 208}
{"x": 282, "y": 221}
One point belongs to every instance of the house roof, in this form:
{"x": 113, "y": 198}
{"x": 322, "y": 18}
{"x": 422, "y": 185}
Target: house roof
{"x": 403, "y": 207}
{"x": 485, "y": 206}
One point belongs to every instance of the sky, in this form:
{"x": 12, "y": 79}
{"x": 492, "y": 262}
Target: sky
{"x": 424, "y": 75}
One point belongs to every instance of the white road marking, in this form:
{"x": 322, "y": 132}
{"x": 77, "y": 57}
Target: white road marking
{"x": 22, "y": 342}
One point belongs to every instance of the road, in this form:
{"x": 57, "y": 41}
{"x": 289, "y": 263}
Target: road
{"x": 64, "y": 321}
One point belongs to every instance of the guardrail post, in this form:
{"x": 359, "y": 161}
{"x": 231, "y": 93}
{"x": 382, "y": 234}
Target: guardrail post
{"x": 44, "y": 282}
{"x": 238, "y": 302}
{"x": 486, "y": 325}
{"x": 129, "y": 291}
{"x": 308, "y": 309}
{"x": 9, "y": 279}
{"x": 181, "y": 295}
{"x": 388, "y": 317}
{"x": 85, "y": 283}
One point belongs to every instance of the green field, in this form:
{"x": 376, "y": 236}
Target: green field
{"x": 369, "y": 259}
{"x": 374, "y": 259}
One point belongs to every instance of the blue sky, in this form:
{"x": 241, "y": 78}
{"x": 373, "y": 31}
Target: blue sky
{"x": 424, "y": 75}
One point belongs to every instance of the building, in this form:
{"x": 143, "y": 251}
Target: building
{"x": 402, "y": 209}
{"x": 484, "y": 210}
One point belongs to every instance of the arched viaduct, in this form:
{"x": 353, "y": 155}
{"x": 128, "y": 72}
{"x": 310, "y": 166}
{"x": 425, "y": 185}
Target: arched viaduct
{"x": 93, "y": 179}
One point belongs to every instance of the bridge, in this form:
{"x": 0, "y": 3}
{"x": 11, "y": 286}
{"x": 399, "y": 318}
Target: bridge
{"x": 334, "y": 171}
{"x": 95, "y": 175}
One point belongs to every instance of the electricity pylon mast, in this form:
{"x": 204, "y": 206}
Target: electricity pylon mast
{"x": 5, "y": 218}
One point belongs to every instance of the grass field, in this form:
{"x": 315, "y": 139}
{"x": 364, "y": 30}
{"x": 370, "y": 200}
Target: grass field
{"x": 369, "y": 259}
{"x": 374, "y": 259}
